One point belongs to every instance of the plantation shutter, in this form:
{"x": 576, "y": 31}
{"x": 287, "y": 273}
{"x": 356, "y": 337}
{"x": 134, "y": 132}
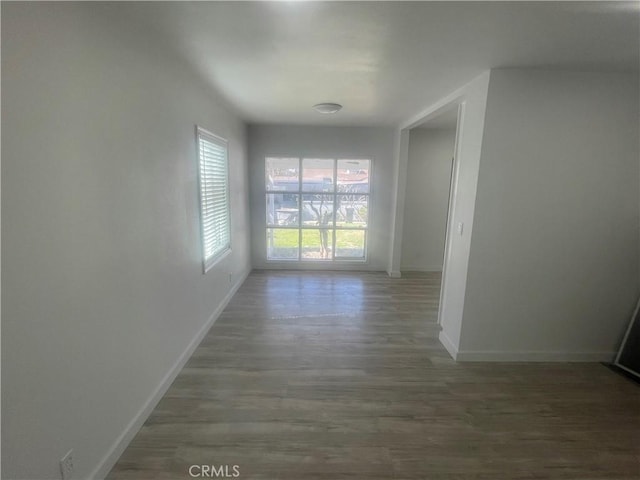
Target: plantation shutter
{"x": 214, "y": 196}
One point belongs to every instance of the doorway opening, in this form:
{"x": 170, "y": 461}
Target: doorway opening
{"x": 431, "y": 171}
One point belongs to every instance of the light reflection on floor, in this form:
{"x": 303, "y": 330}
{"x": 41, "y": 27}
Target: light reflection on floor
{"x": 338, "y": 294}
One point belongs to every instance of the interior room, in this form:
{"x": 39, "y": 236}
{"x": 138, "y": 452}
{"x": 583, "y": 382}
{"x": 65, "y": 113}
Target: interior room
{"x": 429, "y": 174}
{"x": 319, "y": 240}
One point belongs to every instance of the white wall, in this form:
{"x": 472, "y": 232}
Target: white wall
{"x": 553, "y": 270}
{"x": 102, "y": 280}
{"x": 426, "y": 198}
{"x": 325, "y": 142}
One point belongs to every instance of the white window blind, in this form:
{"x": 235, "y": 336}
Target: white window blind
{"x": 213, "y": 170}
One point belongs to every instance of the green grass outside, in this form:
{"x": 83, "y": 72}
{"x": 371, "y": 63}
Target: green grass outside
{"x": 288, "y": 238}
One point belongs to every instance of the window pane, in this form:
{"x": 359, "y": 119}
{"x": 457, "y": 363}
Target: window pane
{"x": 282, "y": 209}
{"x": 317, "y": 210}
{"x": 317, "y": 244}
{"x": 282, "y": 244}
{"x": 353, "y": 176}
{"x": 352, "y": 211}
{"x": 350, "y": 243}
{"x": 317, "y": 175}
{"x": 282, "y": 174}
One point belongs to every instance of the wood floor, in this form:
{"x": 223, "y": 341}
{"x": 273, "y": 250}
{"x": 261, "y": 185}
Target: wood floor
{"x": 340, "y": 376}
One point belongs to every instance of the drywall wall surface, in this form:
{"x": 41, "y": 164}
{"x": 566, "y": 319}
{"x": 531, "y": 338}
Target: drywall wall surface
{"x": 102, "y": 281}
{"x": 553, "y": 270}
{"x": 376, "y": 144}
{"x": 427, "y": 198}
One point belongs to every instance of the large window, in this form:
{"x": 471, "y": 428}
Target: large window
{"x": 213, "y": 175}
{"x": 317, "y": 209}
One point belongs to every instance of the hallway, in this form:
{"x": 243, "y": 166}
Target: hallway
{"x": 326, "y": 375}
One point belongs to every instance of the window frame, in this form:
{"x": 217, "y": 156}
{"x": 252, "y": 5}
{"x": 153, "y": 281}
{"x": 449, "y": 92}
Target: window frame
{"x": 300, "y": 192}
{"x": 212, "y": 260}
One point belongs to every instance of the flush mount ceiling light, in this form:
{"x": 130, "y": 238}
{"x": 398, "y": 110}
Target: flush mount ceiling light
{"x": 327, "y": 108}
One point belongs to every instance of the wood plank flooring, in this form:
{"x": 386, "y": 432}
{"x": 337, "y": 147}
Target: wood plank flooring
{"x": 318, "y": 375}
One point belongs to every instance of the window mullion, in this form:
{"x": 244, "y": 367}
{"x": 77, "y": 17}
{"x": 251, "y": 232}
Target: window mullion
{"x": 300, "y": 203}
{"x": 335, "y": 204}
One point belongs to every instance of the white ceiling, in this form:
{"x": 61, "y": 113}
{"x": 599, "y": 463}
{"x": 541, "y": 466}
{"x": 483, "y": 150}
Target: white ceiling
{"x": 384, "y": 61}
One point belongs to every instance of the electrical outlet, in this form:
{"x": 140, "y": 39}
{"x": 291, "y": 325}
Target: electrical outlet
{"x": 66, "y": 465}
{"x": 230, "y": 277}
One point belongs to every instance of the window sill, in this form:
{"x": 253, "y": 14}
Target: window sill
{"x": 208, "y": 265}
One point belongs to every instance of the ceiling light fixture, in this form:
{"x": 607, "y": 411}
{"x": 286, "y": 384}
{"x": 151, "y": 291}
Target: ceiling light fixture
{"x": 327, "y": 108}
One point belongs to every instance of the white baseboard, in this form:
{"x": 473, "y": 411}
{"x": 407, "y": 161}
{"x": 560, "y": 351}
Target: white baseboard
{"x": 524, "y": 356}
{"x": 432, "y": 268}
{"x": 394, "y": 274}
{"x": 533, "y": 356}
{"x": 121, "y": 443}
{"x": 448, "y": 345}
{"x": 311, "y": 265}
